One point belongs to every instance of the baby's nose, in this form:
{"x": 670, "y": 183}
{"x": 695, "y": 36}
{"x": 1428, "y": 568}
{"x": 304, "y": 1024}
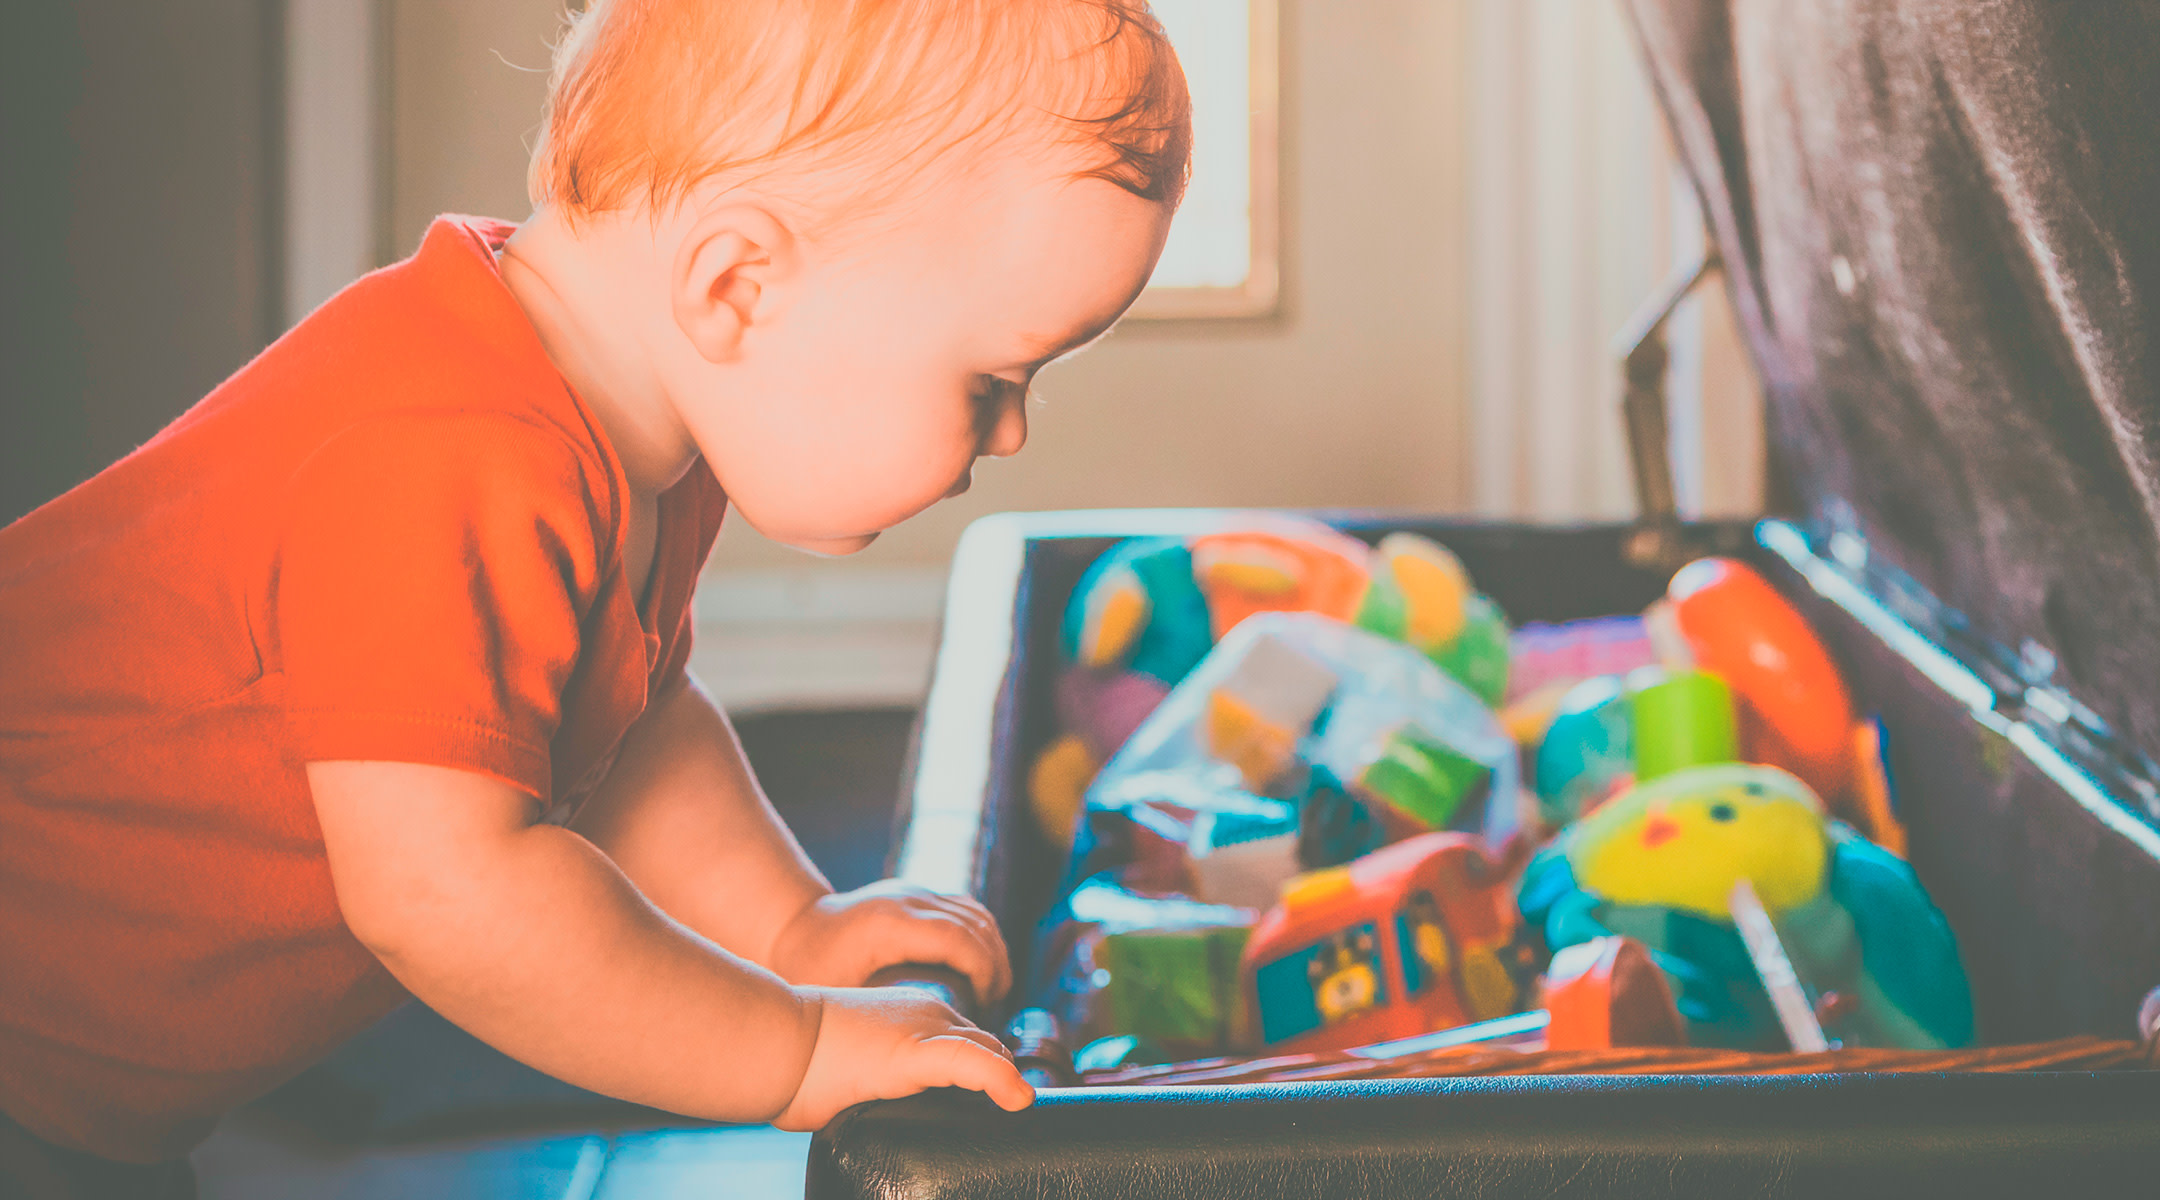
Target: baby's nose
{"x": 1011, "y": 431}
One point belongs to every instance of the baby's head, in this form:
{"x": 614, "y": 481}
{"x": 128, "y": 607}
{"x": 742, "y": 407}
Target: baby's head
{"x": 855, "y": 229}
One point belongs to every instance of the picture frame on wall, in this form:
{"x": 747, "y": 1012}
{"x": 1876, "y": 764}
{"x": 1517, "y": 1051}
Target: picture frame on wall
{"x": 1223, "y": 259}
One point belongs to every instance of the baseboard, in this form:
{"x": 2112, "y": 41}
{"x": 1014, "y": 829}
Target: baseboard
{"x": 830, "y": 636}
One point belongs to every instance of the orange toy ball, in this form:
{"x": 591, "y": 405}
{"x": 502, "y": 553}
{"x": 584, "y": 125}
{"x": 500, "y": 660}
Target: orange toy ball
{"x": 1796, "y": 712}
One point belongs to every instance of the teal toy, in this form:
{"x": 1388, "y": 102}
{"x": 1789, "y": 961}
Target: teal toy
{"x": 1658, "y": 862}
{"x": 1139, "y": 609}
{"x": 1588, "y": 750}
{"x": 1608, "y": 732}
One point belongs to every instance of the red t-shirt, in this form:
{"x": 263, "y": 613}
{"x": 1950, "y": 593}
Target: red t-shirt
{"x": 396, "y": 535}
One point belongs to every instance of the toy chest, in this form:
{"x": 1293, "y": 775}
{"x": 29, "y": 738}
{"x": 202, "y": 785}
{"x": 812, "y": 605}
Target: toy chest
{"x": 1941, "y": 273}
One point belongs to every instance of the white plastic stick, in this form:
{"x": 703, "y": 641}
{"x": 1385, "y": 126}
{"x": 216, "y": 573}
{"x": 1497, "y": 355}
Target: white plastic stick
{"x": 1775, "y": 967}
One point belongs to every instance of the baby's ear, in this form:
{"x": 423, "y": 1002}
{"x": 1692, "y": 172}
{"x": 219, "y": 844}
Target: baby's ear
{"x": 724, "y": 269}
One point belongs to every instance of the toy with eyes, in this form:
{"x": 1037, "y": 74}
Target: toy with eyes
{"x": 1411, "y": 938}
{"x": 1658, "y": 863}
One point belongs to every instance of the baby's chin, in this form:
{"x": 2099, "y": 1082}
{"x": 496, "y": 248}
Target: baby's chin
{"x": 836, "y": 547}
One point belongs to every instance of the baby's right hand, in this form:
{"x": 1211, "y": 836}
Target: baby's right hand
{"x": 885, "y": 1043}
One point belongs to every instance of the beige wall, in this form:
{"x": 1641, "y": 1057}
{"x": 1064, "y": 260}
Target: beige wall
{"x": 1353, "y": 396}
{"x": 467, "y": 82}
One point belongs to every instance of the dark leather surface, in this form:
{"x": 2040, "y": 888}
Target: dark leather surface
{"x": 2053, "y": 1136}
{"x": 1937, "y": 223}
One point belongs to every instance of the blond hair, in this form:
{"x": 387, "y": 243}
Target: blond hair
{"x": 651, "y": 98}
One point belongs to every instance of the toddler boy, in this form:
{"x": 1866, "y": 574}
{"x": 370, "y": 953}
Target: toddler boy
{"x": 366, "y": 676}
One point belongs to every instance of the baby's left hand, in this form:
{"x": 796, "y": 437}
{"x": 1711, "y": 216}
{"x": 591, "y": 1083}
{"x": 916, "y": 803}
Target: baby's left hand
{"x": 843, "y": 939}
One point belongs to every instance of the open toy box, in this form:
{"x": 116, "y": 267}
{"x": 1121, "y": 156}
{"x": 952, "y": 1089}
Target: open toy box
{"x": 1966, "y": 546}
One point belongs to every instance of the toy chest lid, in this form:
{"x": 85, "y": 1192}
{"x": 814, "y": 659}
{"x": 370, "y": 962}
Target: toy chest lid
{"x": 1939, "y": 223}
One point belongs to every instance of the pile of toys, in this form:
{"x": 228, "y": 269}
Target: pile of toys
{"x": 1317, "y": 795}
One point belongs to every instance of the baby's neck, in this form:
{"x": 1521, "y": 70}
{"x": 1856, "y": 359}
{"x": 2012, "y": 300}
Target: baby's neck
{"x": 586, "y": 291}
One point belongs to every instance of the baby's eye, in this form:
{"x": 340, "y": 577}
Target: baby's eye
{"x": 1722, "y": 812}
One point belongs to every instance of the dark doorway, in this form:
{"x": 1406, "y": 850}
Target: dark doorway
{"x": 139, "y": 223}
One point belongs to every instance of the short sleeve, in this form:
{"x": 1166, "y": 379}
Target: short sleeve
{"x": 434, "y": 573}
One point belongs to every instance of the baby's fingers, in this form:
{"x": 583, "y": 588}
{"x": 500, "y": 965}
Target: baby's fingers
{"x": 978, "y": 920}
{"x": 956, "y": 1061}
{"x": 937, "y": 937}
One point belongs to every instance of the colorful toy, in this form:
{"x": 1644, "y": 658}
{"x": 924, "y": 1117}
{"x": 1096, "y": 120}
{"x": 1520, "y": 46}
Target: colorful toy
{"x": 1478, "y": 656}
{"x": 1160, "y": 969}
{"x": 1057, "y": 788}
{"x": 1422, "y": 782}
{"x": 1154, "y": 605}
{"x": 1610, "y": 732}
{"x": 1333, "y": 825}
{"x": 1414, "y": 937}
{"x": 1297, "y": 707}
{"x": 1138, "y": 608}
{"x": 1608, "y": 992}
{"x": 1418, "y": 593}
{"x": 1242, "y": 858}
{"x": 1104, "y": 707}
{"x": 1414, "y": 786}
{"x": 1599, "y": 996}
{"x": 1544, "y": 656}
{"x": 1173, "y": 986}
{"x": 1306, "y": 567}
{"x": 1409, "y": 589}
{"x": 1682, "y": 719}
{"x": 1270, "y": 700}
{"x": 1795, "y": 711}
{"x": 1588, "y": 751}
{"x": 1659, "y": 864}
{"x": 1147, "y": 611}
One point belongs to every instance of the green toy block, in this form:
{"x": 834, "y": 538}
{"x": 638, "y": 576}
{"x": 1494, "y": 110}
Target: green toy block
{"x": 1176, "y": 987}
{"x": 1424, "y": 780}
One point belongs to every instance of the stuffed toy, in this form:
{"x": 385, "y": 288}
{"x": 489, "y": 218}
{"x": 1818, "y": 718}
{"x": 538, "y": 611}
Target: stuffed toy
{"x": 1659, "y": 862}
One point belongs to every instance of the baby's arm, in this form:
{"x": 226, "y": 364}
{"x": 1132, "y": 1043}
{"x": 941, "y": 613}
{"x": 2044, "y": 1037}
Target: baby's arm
{"x": 529, "y": 937}
{"x": 682, "y": 815}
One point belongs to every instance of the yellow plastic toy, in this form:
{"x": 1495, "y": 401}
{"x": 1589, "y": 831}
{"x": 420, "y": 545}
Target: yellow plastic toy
{"x": 1681, "y": 842}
